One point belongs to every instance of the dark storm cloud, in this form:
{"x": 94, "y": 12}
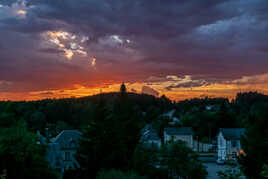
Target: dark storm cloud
{"x": 207, "y": 39}
{"x": 46, "y": 93}
{"x": 190, "y": 84}
{"x": 29, "y": 25}
{"x": 161, "y": 19}
{"x": 51, "y": 50}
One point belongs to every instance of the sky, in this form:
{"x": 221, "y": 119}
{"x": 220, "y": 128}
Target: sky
{"x": 178, "y": 48}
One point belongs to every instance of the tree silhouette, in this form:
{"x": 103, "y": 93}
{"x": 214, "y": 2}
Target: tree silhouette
{"x": 123, "y": 89}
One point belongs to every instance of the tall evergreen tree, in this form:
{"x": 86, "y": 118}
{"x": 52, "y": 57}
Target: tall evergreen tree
{"x": 254, "y": 143}
{"x": 123, "y": 89}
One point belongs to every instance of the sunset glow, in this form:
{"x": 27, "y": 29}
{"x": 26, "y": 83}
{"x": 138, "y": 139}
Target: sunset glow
{"x": 21, "y": 12}
{"x": 214, "y": 50}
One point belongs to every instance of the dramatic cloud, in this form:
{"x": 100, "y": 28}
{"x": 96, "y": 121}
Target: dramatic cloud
{"x": 169, "y": 46}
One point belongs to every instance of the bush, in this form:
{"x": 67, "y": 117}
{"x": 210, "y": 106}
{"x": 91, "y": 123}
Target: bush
{"x": 117, "y": 174}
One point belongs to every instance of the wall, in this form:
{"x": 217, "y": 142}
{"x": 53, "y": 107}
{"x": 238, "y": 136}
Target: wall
{"x": 203, "y": 147}
{"x": 221, "y": 147}
{"x": 186, "y": 138}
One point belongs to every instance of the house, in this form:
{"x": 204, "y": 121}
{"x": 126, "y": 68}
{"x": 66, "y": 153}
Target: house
{"x": 61, "y": 150}
{"x": 149, "y": 137}
{"x": 182, "y": 133}
{"x": 65, "y": 144}
{"x": 228, "y": 141}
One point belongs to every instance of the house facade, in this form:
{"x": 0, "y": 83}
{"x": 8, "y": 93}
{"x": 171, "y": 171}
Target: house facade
{"x": 149, "y": 137}
{"x": 182, "y": 133}
{"x": 62, "y": 149}
{"x": 228, "y": 141}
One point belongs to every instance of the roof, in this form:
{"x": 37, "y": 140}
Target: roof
{"x": 232, "y": 133}
{"x": 169, "y": 113}
{"x": 73, "y": 135}
{"x": 41, "y": 138}
{"x": 179, "y": 131}
{"x": 149, "y": 133}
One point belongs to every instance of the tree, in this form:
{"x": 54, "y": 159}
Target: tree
{"x": 254, "y": 143}
{"x": 37, "y": 121}
{"x": 232, "y": 172}
{"x": 145, "y": 159}
{"x": 264, "y": 173}
{"x": 110, "y": 138}
{"x": 21, "y": 156}
{"x": 182, "y": 161}
{"x": 117, "y": 174}
{"x": 123, "y": 89}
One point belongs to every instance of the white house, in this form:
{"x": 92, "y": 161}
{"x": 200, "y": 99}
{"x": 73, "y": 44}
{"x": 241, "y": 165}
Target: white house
{"x": 229, "y": 143}
{"x": 149, "y": 137}
{"x": 182, "y": 133}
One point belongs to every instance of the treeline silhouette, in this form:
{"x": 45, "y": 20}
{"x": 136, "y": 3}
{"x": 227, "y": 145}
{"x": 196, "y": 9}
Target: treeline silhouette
{"x": 118, "y": 118}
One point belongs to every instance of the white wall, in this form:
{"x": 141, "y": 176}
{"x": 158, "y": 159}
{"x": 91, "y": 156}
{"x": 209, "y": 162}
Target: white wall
{"x": 222, "y": 146}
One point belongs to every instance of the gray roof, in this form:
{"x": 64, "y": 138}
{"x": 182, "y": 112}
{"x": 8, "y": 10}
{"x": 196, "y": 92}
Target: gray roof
{"x": 179, "y": 131}
{"x": 66, "y": 135}
{"x": 149, "y": 133}
{"x": 232, "y": 133}
{"x": 67, "y": 139}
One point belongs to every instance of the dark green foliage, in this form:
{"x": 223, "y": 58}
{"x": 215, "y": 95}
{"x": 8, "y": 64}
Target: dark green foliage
{"x": 182, "y": 161}
{"x": 110, "y": 138}
{"x": 232, "y": 172}
{"x": 21, "y": 156}
{"x": 117, "y": 174}
{"x": 264, "y": 173}
{"x": 144, "y": 161}
{"x": 254, "y": 143}
{"x": 174, "y": 159}
{"x": 111, "y": 125}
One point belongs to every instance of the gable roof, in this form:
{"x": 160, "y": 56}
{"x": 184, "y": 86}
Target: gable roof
{"x": 41, "y": 138}
{"x": 179, "y": 131}
{"x": 66, "y": 135}
{"x": 232, "y": 133}
{"x": 149, "y": 133}
{"x": 169, "y": 113}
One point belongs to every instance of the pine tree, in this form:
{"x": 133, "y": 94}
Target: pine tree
{"x": 123, "y": 89}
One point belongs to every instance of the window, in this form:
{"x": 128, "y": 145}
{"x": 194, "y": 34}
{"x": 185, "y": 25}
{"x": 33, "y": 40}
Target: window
{"x": 234, "y": 143}
{"x": 67, "y": 156}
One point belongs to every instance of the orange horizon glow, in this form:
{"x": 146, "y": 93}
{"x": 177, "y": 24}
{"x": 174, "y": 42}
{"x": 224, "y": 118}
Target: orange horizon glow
{"x": 211, "y": 91}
